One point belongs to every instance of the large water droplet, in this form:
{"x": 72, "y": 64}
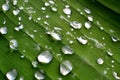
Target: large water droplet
{"x": 100, "y": 61}
{"x": 82, "y": 40}
{"x": 39, "y": 75}
{"x": 87, "y": 25}
{"x": 65, "y": 67}
{"x": 75, "y": 25}
{"x": 45, "y": 57}
{"x": 5, "y": 7}
{"x": 115, "y": 75}
{"x": 13, "y": 44}
{"x": 67, "y": 50}
{"x": 3, "y": 30}
{"x": 11, "y": 75}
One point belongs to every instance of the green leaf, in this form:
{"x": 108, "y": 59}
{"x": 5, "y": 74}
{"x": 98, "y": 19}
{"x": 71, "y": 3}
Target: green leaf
{"x": 39, "y": 21}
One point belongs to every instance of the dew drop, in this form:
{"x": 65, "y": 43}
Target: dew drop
{"x": 13, "y": 44}
{"x": 16, "y": 12}
{"x": 115, "y": 75}
{"x": 67, "y": 50}
{"x": 21, "y": 78}
{"x": 19, "y": 28}
{"x": 67, "y": 11}
{"x": 5, "y": 7}
{"x": 47, "y": 4}
{"x": 51, "y": 2}
{"x": 115, "y": 39}
{"x": 75, "y": 25}
{"x": 45, "y": 57}
{"x": 87, "y": 25}
{"x": 100, "y": 61}
{"x": 54, "y": 9}
{"x": 35, "y": 64}
{"x": 3, "y": 30}
{"x": 39, "y": 75}
{"x": 88, "y": 11}
{"x": 90, "y": 18}
{"x": 11, "y": 75}
{"x": 56, "y": 35}
{"x": 82, "y": 40}
{"x": 65, "y": 67}
{"x": 15, "y": 2}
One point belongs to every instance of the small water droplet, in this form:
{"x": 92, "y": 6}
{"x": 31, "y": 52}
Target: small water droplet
{"x": 43, "y": 8}
{"x": 35, "y": 64}
{"x": 109, "y": 53}
{"x": 67, "y": 50}
{"x": 13, "y": 44}
{"x": 54, "y": 9}
{"x": 3, "y": 30}
{"x": 67, "y": 11}
{"x": 90, "y": 18}
{"x": 87, "y": 25}
{"x": 5, "y": 7}
{"x": 115, "y": 39}
{"x": 19, "y": 28}
{"x": 39, "y": 75}
{"x": 16, "y": 12}
{"x": 45, "y": 57}
{"x": 75, "y": 25}
{"x": 115, "y": 75}
{"x": 47, "y": 4}
{"x": 65, "y": 67}
{"x": 15, "y": 2}
{"x": 100, "y": 61}
{"x": 56, "y": 35}
{"x": 82, "y": 40}
{"x": 88, "y": 11}
{"x": 21, "y": 78}
{"x": 51, "y": 2}
{"x": 11, "y": 75}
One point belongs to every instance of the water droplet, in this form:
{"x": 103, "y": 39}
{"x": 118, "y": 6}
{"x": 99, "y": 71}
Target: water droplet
{"x": 16, "y": 12}
{"x": 109, "y": 53}
{"x": 100, "y": 61}
{"x": 39, "y": 75}
{"x": 15, "y": 2}
{"x": 87, "y": 25}
{"x": 75, "y": 25}
{"x": 82, "y": 40}
{"x": 11, "y": 75}
{"x": 67, "y": 11}
{"x": 43, "y": 8}
{"x": 51, "y": 2}
{"x": 67, "y": 50}
{"x": 21, "y": 78}
{"x": 115, "y": 39}
{"x": 65, "y": 67}
{"x": 56, "y": 35}
{"x": 13, "y": 44}
{"x": 5, "y": 7}
{"x": 54, "y": 9}
{"x": 45, "y": 57}
{"x": 3, "y": 30}
{"x": 35, "y": 64}
{"x": 115, "y": 75}
{"x": 90, "y": 18}
{"x": 19, "y": 28}
{"x": 47, "y": 4}
{"x": 88, "y": 11}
